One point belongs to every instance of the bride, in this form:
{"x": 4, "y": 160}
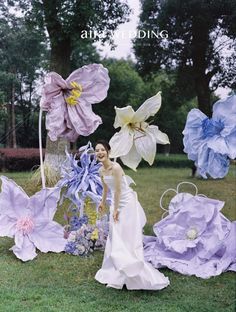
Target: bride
{"x": 123, "y": 262}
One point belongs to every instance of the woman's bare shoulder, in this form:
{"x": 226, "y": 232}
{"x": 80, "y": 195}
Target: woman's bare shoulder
{"x": 116, "y": 168}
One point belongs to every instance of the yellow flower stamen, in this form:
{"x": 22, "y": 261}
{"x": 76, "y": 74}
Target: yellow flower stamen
{"x": 75, "y": 93}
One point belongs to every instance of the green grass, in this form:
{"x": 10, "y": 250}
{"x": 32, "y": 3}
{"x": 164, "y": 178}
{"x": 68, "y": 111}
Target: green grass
{"x": 60, "y": 282}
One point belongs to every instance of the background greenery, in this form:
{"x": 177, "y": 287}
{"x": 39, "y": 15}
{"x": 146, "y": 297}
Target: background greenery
{"x": 197, "y": 57}
{"x": 64, "y": 283}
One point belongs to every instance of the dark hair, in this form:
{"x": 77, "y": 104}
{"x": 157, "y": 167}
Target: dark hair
{"x": 105, "y": 144}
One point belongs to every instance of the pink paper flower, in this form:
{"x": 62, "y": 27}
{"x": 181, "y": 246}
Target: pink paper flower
{"x": 68, "y": 102}
{"x": 30, "y": 220}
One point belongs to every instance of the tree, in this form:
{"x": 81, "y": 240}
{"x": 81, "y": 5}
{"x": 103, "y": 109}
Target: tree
{"x": 21, "y": 52}
{"x": 200, "y": 44}
{"x": 64, "y": 21}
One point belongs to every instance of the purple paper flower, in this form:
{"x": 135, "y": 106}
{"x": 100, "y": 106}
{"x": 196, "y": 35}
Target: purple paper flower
{"x": 194, "y": 239}
{"x": 68, "y": 102}
{"x": 210, "y": 142}
{"x": 30, "y": 220}
{"x": 195, "y": 223}
{"x": 81, "y": 177}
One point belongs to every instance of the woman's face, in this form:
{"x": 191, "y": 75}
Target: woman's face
{"x": 101, "y": 153}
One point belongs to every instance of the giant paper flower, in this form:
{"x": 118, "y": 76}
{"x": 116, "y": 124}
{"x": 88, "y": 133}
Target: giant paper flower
{"x": 210, "y": 142}
{"x": 81, "y": 177}
{"x": 194, "y": 239}
{"x": 68, "y": 102}
{"x": 30, "y": 220}
{"x": 137, "y": 139}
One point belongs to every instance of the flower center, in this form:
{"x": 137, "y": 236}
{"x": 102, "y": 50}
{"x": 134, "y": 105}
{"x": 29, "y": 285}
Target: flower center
{"x": 191, "y": 233}
{"x": 211, "y": 127}
{"x": 139, "y": 128}
{"x": 75, "y": 93}
{"x": 25, "y": 224}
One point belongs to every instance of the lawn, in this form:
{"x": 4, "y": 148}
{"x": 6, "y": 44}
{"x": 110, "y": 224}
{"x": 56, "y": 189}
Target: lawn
{"x": 60, "y": 282}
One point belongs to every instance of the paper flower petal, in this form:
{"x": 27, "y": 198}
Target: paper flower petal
{"x": 121, "y": 142}
{"x": 53, "y": 87}
{"x": 44, "y": 203}
{"x": 124, "y": 116}
{"x": 13, "y": 199}
{"x": 94, "y": 80}
{"x": 224, "y": 145}
{"x": 193, "y": 133}
{"x": 146, "y": 147}
{"x": 225, "y": 111}
{"x": 24, "y": 249}
{"x": 132, "y": 159}
{"x": 149, "y": 108}
{"x": 214, "y": 164}
{"x": 160, "y": 137}
{"x": 7, "y": 226}
{"x": 84, "y": 120}
{"x": 48, "y": 236}
{"x": 57, "y": 119}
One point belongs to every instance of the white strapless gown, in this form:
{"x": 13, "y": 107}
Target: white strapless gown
{"x": 123, "y": 262}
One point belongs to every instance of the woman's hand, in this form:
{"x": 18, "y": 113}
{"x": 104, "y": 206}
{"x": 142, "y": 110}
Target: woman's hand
{"x": 116, "y": 215}
{"x": 101, "y": 207}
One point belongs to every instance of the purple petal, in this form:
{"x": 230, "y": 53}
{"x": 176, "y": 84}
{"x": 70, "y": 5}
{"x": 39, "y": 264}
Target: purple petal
{"x": 225, "y": 111}
{"x": 13, "y": 200}
{"x": 58, "y": 123}
{"x": 24, "y": 249}
{"x": 54, "y": 84}
{"x": 48, "y": 236}
{"x": 94, "y": 80}
{"x": 44, "y": 203}
{"x": 84, "y": 120}
{"x": 7, "y": 226}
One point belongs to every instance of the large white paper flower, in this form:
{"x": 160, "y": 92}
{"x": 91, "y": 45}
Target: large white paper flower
{"x": 137, "y": 139}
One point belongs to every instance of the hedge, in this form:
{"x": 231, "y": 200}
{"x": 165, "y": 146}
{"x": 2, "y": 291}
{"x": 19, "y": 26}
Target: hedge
{"x": 170, "y": 161}
{"x": 24, "y": 159}
{"x": 18, "y": 159}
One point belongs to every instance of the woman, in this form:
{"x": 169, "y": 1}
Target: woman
{"x": 123, "y": 262}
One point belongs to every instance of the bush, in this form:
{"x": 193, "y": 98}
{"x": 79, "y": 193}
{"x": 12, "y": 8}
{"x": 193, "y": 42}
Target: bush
{"x": 24, "y": 159}
{"x": 169, "y": 161}
{"x": 18, "y": 159}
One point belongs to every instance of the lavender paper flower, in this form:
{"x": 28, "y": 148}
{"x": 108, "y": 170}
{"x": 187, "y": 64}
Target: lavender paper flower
{"x": 194, "y": 239}
{"x": 30, "y": 220}
{"x": 68, "y": 102}
{"x": 81, "y": 177}
{"x": 210, "y": 142}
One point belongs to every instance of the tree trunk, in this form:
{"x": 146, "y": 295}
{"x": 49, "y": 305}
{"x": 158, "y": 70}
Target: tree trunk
{"x": 13, "y": 117}
{"x": 55, "y": 153}
{"x": 203, "y": 94}
{"x": 200, "y": 46}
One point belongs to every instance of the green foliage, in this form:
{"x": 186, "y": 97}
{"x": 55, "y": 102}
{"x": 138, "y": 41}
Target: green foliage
{"x": 60, "y": 282}
{"x": 66, "y": 20}
{"x": 83, "y": 53}
{"x": 201, "y": 44}
{"x": 22, "y": 52}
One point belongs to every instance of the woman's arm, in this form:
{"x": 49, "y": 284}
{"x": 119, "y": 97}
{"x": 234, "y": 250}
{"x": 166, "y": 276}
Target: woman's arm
{"x": 104, "y": 193}
{"x": 117, "y": 173}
